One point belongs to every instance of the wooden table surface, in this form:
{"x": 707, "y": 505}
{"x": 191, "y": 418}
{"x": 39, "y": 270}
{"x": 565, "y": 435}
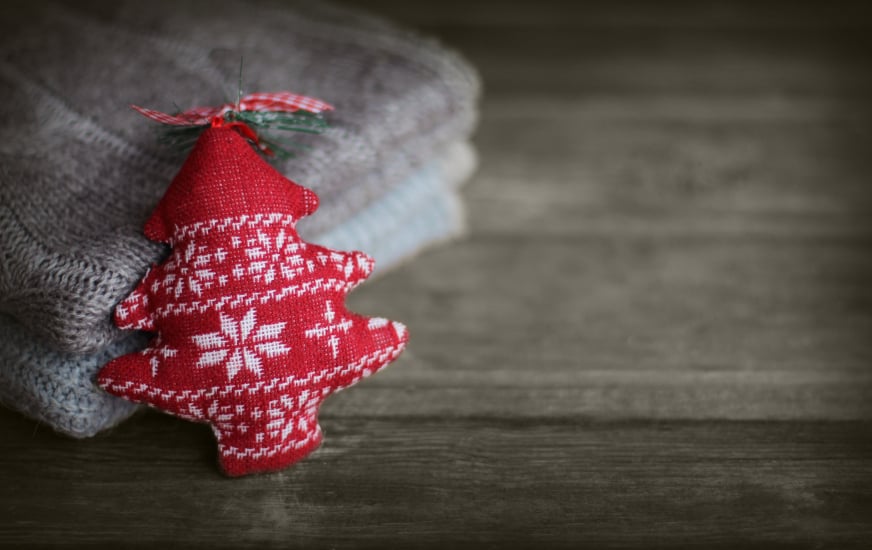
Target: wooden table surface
{"x": 658, "y": 331}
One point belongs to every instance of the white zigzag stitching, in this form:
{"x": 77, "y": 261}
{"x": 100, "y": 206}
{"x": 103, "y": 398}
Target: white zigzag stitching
{"x": 261, "y": 452}
{"x": 295, "y": 291}
{"x": 234, "y": 223}
{"x": 264, "y": 387}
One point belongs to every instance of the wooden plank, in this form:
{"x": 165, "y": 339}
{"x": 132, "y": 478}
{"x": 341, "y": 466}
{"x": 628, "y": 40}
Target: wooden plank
{"x": 737, "y": 397}
{"x": 575, "y": 62}
{"x": 671, "y": 14}
{"x": 568, "y": 61}
{"x": 570, "y": 48}
{"x": 638, "y": 299}
{"x": 629, "y": 327}
{"x": 778, "y": 167}
{"x": 429, "y": 482}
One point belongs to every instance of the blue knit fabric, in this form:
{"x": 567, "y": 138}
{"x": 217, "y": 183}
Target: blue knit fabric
{"x": 58, "y": 388}
{"x": 423, "y": 210}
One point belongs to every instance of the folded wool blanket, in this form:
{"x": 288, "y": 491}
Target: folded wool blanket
{"x": 58, "y": 388}
{"x": 80, "y": 173}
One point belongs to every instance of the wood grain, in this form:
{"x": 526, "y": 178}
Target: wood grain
{"x": 658, "y": 331}
{"x": 429, "y": 482}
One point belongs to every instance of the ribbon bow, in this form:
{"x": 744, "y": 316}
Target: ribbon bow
{"x": 262, "y": 101}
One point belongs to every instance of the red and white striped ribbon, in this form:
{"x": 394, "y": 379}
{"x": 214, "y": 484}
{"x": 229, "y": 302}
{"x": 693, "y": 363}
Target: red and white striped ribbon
{"x": 261, "y": 101}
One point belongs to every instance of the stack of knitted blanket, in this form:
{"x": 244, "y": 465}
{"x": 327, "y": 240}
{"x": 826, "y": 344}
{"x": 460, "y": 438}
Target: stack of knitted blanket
{"x": 80, "y": 172}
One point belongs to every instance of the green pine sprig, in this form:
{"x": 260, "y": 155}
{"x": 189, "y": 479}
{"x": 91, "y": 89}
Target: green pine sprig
{"x": 267, "y": 125}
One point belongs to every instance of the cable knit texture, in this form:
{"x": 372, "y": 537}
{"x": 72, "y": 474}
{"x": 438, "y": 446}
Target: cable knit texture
{"x": 79, "y": 173}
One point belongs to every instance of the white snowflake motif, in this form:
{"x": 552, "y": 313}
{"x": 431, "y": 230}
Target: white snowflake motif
{"x": 330, "y": 329}
{"x": 239, "y": 345}
{"x": 264, "y": 254}
{"x": 158, "y": 352}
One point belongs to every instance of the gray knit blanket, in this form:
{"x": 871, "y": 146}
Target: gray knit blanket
{"x": 80, "y": 173}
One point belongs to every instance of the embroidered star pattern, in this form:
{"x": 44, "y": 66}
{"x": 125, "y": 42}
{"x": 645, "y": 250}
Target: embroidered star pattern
{"x": 330, "y": 330}
{"x": 238, "y": 345}
{"x": 251, "y": 330}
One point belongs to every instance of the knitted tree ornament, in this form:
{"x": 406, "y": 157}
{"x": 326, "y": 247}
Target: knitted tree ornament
{"x": 252, "y": 333}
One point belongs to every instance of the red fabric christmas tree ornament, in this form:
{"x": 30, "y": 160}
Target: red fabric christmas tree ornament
{"x": 252, "y": 333}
